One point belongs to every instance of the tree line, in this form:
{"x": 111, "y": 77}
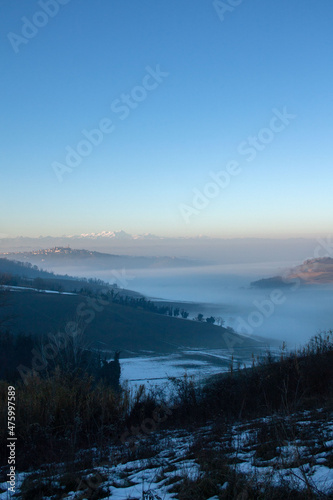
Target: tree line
{"x": 151, "y": 306}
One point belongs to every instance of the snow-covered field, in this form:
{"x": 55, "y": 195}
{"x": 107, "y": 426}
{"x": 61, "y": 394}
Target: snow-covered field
{"x": 13, "y": 288}
{"x": 154, "y": 371}
{"x": 294, "y": 453}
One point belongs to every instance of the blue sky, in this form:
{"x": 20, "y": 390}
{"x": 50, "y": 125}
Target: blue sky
{"x": 221, "y": 81}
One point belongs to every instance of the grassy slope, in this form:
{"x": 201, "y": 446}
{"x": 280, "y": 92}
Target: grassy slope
{"x": 119, "y": 327}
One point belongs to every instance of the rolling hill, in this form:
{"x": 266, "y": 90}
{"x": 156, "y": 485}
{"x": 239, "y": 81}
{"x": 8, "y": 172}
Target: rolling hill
{"x": 114, "y": 326}
{"x": 317, "y": 271}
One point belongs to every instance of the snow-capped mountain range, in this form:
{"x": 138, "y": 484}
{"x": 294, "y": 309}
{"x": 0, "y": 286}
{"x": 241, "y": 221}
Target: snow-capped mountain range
{"x": 118, "y": 235}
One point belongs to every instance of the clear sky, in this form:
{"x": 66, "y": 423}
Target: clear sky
{"x": 179, "y": 89}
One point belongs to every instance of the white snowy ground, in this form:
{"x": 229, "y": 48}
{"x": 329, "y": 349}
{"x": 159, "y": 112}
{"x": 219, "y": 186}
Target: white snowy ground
{"x": 24, "y": 289}
{"x": 154, "y": 371}
{"x": 302, "y": 461}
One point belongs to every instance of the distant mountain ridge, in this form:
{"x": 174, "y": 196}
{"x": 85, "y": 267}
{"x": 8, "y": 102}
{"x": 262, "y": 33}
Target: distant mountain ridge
{"x": 311, "y": 272}
{"x": 65, "y": 256}
{"x": 119, "y": 235}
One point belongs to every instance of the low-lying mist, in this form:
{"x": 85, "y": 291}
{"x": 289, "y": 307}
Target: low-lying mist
{"x": 292, "y": 314}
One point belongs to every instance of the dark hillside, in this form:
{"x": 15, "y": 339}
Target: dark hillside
{"x": 114, "y": 326}
{"x": 24, "y": 274}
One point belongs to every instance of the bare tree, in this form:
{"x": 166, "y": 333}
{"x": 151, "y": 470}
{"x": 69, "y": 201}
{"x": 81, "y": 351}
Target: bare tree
{"x": 219, "y": 320}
